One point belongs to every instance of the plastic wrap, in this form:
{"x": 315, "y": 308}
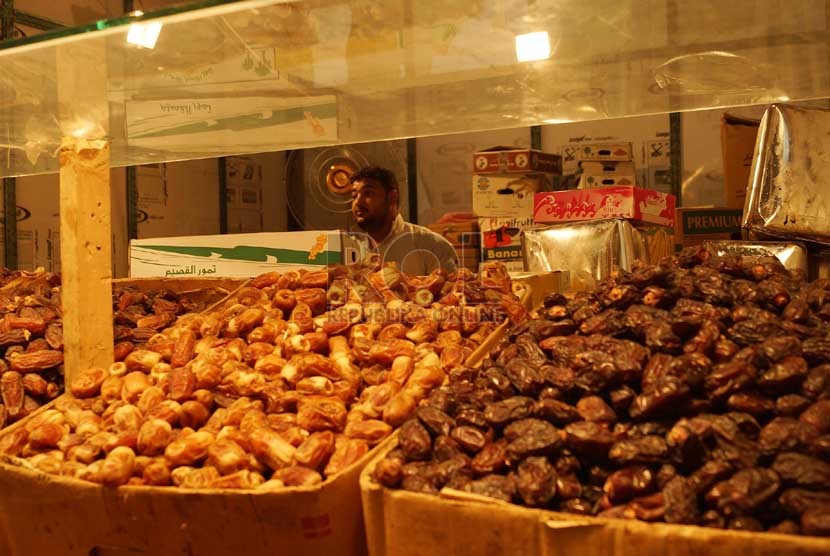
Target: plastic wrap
{"x": 587, "y": 251}
{"x": 792, "y": 255}
{"x": 789, "y": 193}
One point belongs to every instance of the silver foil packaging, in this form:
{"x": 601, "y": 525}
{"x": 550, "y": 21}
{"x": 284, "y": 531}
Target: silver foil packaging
{"x": 789, "y": 186}
{"x": 792, "y": 255}
{"x": 588, "y": 251}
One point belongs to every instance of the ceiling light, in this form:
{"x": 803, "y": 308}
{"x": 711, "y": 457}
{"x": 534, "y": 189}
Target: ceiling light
{"x": 144, "y": 34}
{"x": 557, "y": 121}
{"x": 531, "y": 47}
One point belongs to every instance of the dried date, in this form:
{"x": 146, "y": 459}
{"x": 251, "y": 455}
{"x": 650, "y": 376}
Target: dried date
{"x": 500, "y": 413}
{"x": 435, "y": 420}
{"x": 647, "y": 449}
{"x": 531, "y": 437}
{"x": 630, "y": 482}
{"x": 494, "y": 486}
{"x": 681, "y": 505}
{"x": 469, "y": 438}
{"x": 536, "y": 481}
{"x": 415, "y": 441}
{"x": 800, "y": 470}
{"x": 817, "y": 416}
{"x": 745, "y": 492}
{"x": 589, "y": 439}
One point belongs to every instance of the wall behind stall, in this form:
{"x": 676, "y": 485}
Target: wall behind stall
{"x": 38, "y": 222}
{"x": 274, "y": 211}
{"x": 178, "y": 199}
{"x": 270, "y": 212}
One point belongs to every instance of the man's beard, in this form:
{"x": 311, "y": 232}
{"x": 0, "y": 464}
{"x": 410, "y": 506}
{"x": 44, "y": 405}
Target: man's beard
{"x": 371, "y": 225}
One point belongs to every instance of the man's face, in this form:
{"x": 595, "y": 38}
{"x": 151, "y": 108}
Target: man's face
{"x": 370, "y": 204}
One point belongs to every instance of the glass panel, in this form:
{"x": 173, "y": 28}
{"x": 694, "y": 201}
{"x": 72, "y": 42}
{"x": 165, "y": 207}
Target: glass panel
{"x": 266, "y": 75}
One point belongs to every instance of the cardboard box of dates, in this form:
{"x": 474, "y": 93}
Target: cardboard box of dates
{"x": 243, "y": 429}
{"x": 31, "y": 331}
{"x": 694, "y": 395}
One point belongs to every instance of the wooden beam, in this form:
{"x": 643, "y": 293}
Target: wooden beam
{"x": 86, "y": 256}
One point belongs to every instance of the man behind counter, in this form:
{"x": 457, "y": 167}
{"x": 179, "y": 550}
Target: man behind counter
{"x": 417, "y": 250}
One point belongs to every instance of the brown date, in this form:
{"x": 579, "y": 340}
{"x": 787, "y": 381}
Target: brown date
{"x": 536, "y": 481}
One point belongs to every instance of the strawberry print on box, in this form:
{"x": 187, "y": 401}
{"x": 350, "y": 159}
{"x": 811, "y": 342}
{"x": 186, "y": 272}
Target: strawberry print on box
{"x": 635, "y": 203}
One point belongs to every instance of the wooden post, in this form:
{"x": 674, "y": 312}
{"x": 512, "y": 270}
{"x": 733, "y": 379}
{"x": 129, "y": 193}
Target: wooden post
{"x": 86, "y": 256}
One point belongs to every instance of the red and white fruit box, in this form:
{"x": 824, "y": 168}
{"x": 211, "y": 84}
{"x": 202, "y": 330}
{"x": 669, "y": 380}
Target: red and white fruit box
{"x": 504, "y": 160}
{"x": 634, "y": 203}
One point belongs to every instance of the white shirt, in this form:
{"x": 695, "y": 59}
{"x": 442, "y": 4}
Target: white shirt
{"x": 417, "y": 250}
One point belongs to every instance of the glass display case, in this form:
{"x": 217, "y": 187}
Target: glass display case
{"x": 221, "y": 78}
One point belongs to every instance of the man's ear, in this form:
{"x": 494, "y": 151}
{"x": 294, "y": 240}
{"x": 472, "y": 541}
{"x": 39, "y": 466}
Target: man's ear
{"x": 394, "y": 197}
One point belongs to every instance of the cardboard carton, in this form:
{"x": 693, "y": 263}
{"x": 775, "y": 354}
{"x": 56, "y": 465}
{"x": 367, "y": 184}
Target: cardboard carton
{"x": 737, "y": 137}
{"x": 43, "y": 514}
{"x": 698, "y": 224}
{"x": 658, "y": 240}
{"x": 47, "y": 514}
{"x": 509, "y": 196}
{"x": 459, "y": 233}
{"x": 541, "y": 284}
{"x": 598, "y": 168}
{"x": 403, "y": 523}
{"x": 633, "y": 203}
{"x": 233, "y": 254}
{"x": 506, "y": 160}
{"x": 620, "y": 151}
{"x": 501, "y": 239}
{"x": 592, "y": 181}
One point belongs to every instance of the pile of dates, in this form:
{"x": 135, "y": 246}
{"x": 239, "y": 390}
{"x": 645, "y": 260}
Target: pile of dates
{"x": 31, "y": 334}
{"x": 693, "y": 392}
{"x": 289, "y": 383}
{"x": 31, "y": 342}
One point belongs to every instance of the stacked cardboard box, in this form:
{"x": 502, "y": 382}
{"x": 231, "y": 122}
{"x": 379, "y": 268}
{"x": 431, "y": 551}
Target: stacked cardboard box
{"x": 606, "y": 165}
{"x": 465, "y": 238}
{"x": 504, "y": 183}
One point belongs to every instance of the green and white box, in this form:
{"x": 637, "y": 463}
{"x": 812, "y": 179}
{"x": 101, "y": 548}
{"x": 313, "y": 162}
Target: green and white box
{"x": 234, "y": 254}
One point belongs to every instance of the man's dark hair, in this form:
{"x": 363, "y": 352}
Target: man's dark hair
{"x": 386, "y": 178}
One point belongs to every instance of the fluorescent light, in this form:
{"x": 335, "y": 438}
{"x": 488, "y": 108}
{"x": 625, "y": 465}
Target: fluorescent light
{"x": 557, "y": 121}
{"x": 144, "y": 34}
{"x": 533, "y": 46}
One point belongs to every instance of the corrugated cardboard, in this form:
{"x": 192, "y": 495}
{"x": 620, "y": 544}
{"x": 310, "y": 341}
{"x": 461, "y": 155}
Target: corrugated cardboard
{"x": 459, "y": 233}
{"x": 233, "y": 254}
{"x": 541, "y": 283}
{"x": 401, "y": 523}
{"x": 501, "y": 238}
{"x": 698, "y": 224}
{"x": 45, "y": 514}
{"x": 635, "y": 203}
{"x": 507, "y": 196}
{"x": 598, "y": 168}
{"x": 659, "y": 241}
{"x": 505, "y": 160}
{"x": 737, "y": 137}
{"x": 470, "y": 259}
{"x": 620, "y": 151}
{"x": 592, "y": 181}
